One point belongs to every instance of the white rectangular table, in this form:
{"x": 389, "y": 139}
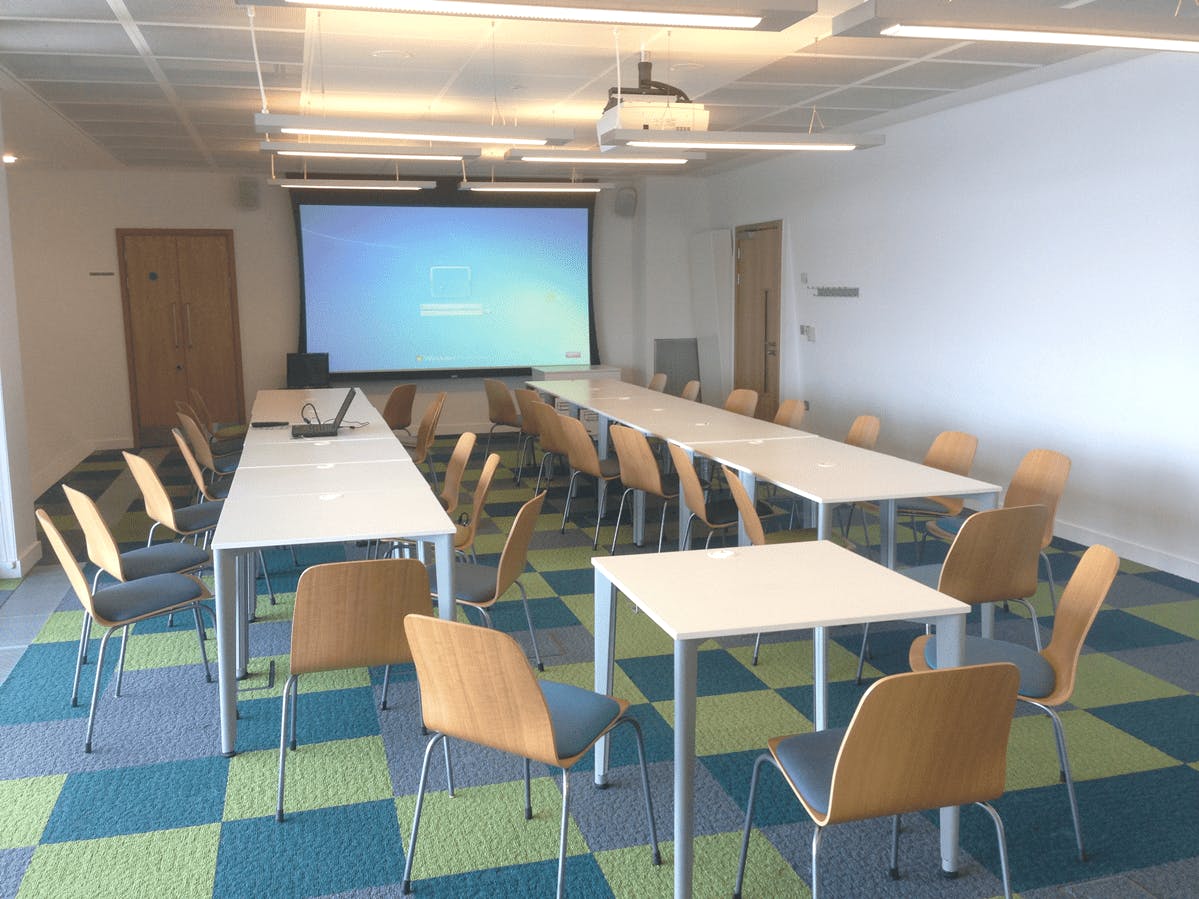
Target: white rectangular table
{"x": 312, "y": 491}
{"x": 698, "y": 595}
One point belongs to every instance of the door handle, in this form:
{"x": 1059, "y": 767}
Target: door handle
{"x": 187, "y": 319}
{"x": 175, "y": 323}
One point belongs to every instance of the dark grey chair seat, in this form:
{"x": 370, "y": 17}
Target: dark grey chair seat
{"x": 162, "y": 558}
{"x": 137, "y": 599}
{"x": 472, "y": 583}
{"x": 808, "y": 761}
{"x": 578, "y": 715}
{"x": 199, "y": 517}
{"x": 1037, "y": 678}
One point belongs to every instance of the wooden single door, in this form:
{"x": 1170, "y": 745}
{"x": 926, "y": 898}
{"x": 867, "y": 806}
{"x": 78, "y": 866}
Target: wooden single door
{"x": 181, "y": 327}
{"x": 756, "y": 313}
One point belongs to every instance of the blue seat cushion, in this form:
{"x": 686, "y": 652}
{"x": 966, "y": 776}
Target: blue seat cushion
{"x": 1037, "y": 679}
{"x": 921, "y": 505}
{"x": 472, "y": 583}
{"x": 226, "y": 446}
{"x": 609, "y": 466}
{"x": 141, "y": 598}
{"x": 808, "y": 761}
{"x": 578, "y": 716}
{"x": 220, "y": 489}
{"x": 951, "y": 525}
{"x": 199, "y": 517}
{"x": 722, "y": 512}
{"x": 929, "y": 575}
{"x": 162, "y": 558}
{"x": 226, "y": 463}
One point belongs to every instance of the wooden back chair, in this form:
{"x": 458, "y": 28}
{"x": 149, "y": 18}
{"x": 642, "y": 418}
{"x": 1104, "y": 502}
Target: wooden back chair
{"x": 916, "y": 742}
{"x": 501, "y": 409}
{"x": 638, "y": 471}
{"x": 350, "y": 615}
{"x": 206, "y": 491}
{"x": 217, "y": 466}
{"x": 716, "y": 516}
{"x": 553, "y": 441}
{"x": 690, "y": 391}
{"x": 743, "y": 401}
{"x": 186, "y": 521}
{"x": 530, "y": 429}
{"x": 464, "y": 534}
{"x": 863, "y": 432}
{"x": 397, "y": 411}
{"x": 426, "y": 433}
{"x": 124, "y": 604}
{"x": 790, "y": 413}
{"x": 748, "y": 511}
{"x": 219, "y": 430}
{"x": 451, "y": 491}
{"x": 476, "y": 685}
{"x": 584, "y": 459}
{"x": 657, "y": 382}
{"x": 1047, "y": 677}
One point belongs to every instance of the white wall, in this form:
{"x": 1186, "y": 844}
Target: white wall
{"x": 1028, "y": 274}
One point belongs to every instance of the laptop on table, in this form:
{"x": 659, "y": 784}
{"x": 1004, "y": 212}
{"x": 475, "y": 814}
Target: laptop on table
{"x": 328, "y": 428}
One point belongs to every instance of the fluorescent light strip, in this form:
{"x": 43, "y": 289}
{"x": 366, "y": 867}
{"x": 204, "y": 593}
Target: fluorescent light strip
{"x": 8, "y": 159}
{"x": 534, "y": 187}
{"x": 739, "y": 140}
{"x": 353, "y": 151}
{"x": 330, "y": 184}
{"x": 409, "y": 130}
{"x": 548, "y": 13}
{"x": 404, "y": 135}
{"x": 738, "y": 145}
{"x": 602, "y": 159}
{"x": 1078, "y": 39}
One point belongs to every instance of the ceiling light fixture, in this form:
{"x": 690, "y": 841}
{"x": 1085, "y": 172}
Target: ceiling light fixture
{"x": 1019, "y": 36}
{"x": 535, "y": 187}
{"x": 335, "y": 184}
{"x": 739, "y": 140}
{"x": 436, "y": 132}
{"x": 611, "y": 157}
{"x": 768, "y": 20}
{"x": 9, "y": 159}
{"x": 368, "y": 151}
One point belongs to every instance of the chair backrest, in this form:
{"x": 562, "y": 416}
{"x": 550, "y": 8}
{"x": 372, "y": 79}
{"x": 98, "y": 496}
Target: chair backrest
{"x": 690, "y": 391}
{"x": 743, "y": 401}
{"x": 182, "y": 408}
{"x": 397, "y": 411}
{"x": 201, "y": 408}
{"x": 102, "y": 547}
{"x": 638, "y": 467}
{"x": 689, "y": 484}
{"x": 1040, "y": 478}
{"x": 158, "y": 503}
{"x": 657, "y": 382}
{"x": 925, "y": 739}
{"x": 516, "y": 548}
{"x": 863, "y": 432}
{"x": 790, "y": 413}
{"x": 465, "y": 537}
{"x": 548, "y": 428}
{"x": 199, "y": 442}
{"x": 1076, "y": 611}
{"x": 67, "y": 560}
{"x": 952, "y": 451}
{"x": 745, "y": 507}
{"x": 994, "y": 556}
{"x": 525, "y": 396}
{"x": 501, "y": 409}
{"x": 476, "y": 684}
{"x": 451, "y": 486}
{"x": 427, "y": 432}
{"x": 351, "y": 614}
{"x": 579, "y": 448}
{"x": 192, "y": 464}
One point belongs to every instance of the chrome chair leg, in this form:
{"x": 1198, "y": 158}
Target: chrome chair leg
{"x": 386, "y": 679}
{"x": 85, "y": 633}
{"x": 288, "y": 688}
{"x": 1049, "y": 577}
{"x": 862, "y": 652}
{"x": 1002, "y": 839}
{"x": 757, "y": 647}
{"x": 528, "y": 793}
{"x": 649, "y": 803}
{"x": 406, "y": 888}
{"x": 894, "y": 872}
{"x": 1036, "y": 627}
{"x": 817, "y": 835}
{"x": 200, "y": 637}
{"x": 562, "y": 834}
{"x": 749, "y": 818}
{"x": 121, "y": 657}
{"x": 1060, "y": 736}
{"x": 91, "y": 715}
{"x": 619, "y": 515}
{"x": 524, "y": 598}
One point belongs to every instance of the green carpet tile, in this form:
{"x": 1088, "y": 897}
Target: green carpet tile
{"x": 156, "y": 811}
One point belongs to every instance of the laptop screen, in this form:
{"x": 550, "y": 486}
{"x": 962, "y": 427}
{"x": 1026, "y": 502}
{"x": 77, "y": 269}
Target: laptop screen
{"x": 345, "y": 405}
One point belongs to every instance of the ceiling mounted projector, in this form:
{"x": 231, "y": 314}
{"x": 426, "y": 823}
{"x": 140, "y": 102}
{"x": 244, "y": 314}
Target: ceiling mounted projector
{"x": 650, "y": 106}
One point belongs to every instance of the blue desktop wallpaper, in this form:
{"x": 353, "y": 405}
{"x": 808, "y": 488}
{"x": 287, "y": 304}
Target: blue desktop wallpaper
{"x": 392, "y": 288}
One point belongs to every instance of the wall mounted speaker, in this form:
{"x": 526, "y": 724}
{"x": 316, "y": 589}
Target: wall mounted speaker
{"x": 626, "y": 202}
{"x": 247, "y": 192}
{"x": 307, "y": 369}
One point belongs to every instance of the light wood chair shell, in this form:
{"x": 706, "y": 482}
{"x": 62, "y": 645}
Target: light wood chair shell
{"x": 1040, "y": 479}
{"x": 476, "y": 685}
{"x": 657, "y": 382}
{"x": 422, "y": 448}
{"x": 464, "y": 534}
{"x": 480, "y": 586}
{"x": 691, "y": 391}
{"x": 638, "y": 471}
{"x": 125, "y": 604}
{"x": 790, "y": 413}
{"x": 501, "y": 409}
{"x": 743, "y": 401}
{"x": 553, "y": 441}
{"x": 451, "y": 490}
{"x": 218, "y": 446}
{"x": 196, "y": 520}
{"x": 220, "y": 430}
{"x": 349, "y": 615}
{"x": 529, "y": 428}
{"x": 914, "y": 743}
{"x": 397, "y": 411}
{"x": 584, "y": 459}
{"x": 863, "y": 432}
{"x": 1047, "y": 678}
{"x": 717, "y": 516}
{"x": 218, "y": 467}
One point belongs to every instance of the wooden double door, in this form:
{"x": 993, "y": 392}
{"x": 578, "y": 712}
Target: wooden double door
{"x": 181, "y": 329}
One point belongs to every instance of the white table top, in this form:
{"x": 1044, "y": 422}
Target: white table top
{"x": 288, "y": 480}
{"x": 322, "y": 451}
{"x": 828, "y": 471}
{"x": 362, "y": 419}
{"x": 763, "y": 589}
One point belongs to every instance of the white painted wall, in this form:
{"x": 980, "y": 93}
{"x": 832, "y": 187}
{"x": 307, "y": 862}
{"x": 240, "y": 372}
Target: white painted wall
{"x": 1028, "y": 273}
